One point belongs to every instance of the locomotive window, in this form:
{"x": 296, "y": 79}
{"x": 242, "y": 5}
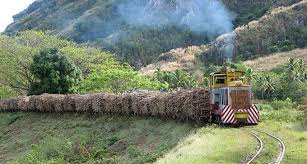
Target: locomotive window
{"x": 220, "y": 80}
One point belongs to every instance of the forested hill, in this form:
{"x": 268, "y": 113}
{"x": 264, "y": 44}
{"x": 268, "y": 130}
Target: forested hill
{"x": 138, "y": 31}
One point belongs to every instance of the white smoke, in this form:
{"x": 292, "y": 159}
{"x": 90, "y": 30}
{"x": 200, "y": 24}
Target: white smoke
{"x": 203, "y": 16}
{"x": 225, "y": 43}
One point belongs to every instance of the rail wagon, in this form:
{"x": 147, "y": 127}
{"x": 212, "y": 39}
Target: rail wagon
{"x": 231, "y": 98}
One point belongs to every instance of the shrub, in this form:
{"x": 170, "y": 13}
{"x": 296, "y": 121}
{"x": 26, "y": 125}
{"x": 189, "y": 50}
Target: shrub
{"x": 267, "y": 107}
{"x": 53, "y": 73}
{"x": 281, "y": 110}
{"x": 273, "y": 49}
{"x": 177, "y": 79}
{"x": 6, "y": 92}
{"x": 282, "y": 104}
{"x": 118, "y": 80}
{"x": 59, "y": 150}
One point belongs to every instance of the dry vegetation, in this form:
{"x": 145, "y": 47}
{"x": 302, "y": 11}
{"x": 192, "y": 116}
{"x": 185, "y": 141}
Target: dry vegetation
{"x": 269, "y": 62}
{"x": 180, "y": 58}
{"x": 181, "y": 105}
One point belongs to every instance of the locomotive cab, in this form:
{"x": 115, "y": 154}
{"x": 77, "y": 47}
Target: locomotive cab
{"x": 231, "y": 98}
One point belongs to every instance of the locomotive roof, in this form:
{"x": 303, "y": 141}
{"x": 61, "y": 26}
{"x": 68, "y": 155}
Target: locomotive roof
{"x": 223, "y": 73}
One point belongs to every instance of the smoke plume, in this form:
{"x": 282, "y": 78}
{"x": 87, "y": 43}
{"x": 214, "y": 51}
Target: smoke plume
{"x": 208, "y": 17}
{"x": 225, "y": 44}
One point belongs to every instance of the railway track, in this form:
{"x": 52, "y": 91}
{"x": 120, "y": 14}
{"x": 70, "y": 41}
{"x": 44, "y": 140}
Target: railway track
{"x": 282, "y": 148}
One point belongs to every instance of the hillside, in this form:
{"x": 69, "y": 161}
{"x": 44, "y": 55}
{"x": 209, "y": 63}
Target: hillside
{"x": 283, "y": 29}
{"x": 271, "y": 61}
{"x": 140, "y": 40}
{"x": 86, "y": 138}
{"x": 180, "y": 58}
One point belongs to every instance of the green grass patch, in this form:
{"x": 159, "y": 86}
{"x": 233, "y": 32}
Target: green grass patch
{"x": 86, "y": 138}
{"x": 287, "y": 123}
{"x": 212, "y": 145}
{"x": 293, "y": 137}
{"x": 270, "y": 149}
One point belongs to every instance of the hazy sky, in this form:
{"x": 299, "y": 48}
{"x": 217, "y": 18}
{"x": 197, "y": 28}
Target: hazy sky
{"x": 8, "y": 8}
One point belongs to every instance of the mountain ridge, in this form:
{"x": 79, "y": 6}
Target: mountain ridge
{"x": 98, "y": 24}
{"x": 265, "y": 30}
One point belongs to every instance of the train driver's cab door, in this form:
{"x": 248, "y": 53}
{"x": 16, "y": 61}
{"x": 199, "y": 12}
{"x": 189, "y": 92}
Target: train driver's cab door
{"x": 223, "y": 98}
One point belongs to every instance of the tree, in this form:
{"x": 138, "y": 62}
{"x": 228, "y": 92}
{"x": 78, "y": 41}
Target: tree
{"x": 176, "y": 79}
{"x": 266, "y": 86}
{"x": 249, "y": 74}
{"x": 53, "y": 73}
{"x": 117, "y": 79}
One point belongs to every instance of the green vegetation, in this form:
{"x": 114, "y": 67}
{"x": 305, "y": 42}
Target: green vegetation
{"x": 142, "y": 46}
{"x": 281, "y": 29}
{"x": 118, "y": 80}
{"x": 98, "y": 23}
{"x": 271, "y": 33}
{"x": 285, "y": 120}
{"x": 101, "y": 72}
{"x": 212, "y": 145}
{"x": 17, "y": 56}
{"x": 53, "y": 73}
{"x": 285, "y": 81}
{"x": 249, "y": 10}
{"x": 281, "y": 111}
{"x": 177, "y": 79}
{"x": 86, "y": 138}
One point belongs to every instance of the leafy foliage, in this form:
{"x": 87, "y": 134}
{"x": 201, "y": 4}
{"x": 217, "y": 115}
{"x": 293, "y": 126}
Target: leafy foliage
{"x": 16, "y": 55}
{"x": 281, "y": 111}
{"x": 58, "y": 150}
{"x": 53, "y": 73}
{"x": 177, "y": 79}
{"x": 118, "y": 80}
{"x": 285, "y": 81}
{"x": 6, "y": 92}
{"x": 142, "y": 46}
{"x": 101, "y": 71}
{"x": 249, "y": 10}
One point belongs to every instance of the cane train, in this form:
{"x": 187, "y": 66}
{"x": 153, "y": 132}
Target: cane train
{"x": 231, "y": 98}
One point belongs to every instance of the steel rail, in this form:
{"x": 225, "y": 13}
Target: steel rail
{"x": 259, "y": 149}
{"x": 283, "y": 147}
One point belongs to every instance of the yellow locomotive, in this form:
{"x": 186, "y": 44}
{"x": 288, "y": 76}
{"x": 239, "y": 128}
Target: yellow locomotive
{"x": 231, "y": 98}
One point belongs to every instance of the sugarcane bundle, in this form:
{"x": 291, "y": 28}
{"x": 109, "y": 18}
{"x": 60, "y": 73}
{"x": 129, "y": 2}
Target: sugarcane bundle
{"x": 181, "y": 105}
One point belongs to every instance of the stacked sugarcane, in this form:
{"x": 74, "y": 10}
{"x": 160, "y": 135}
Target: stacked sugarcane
{"x": 181, "y": 105}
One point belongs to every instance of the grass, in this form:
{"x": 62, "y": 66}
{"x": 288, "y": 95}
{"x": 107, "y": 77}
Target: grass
{"x": 289, "y": 124}
{"x": 270, "y": 149}
{"x": 86, "y": 138}
{"x": 294, "y": 137}
{"x": 212, "y": 145}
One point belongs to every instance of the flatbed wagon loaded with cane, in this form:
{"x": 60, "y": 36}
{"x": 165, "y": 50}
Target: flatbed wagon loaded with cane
{"x": 231, "y": 98}
{"x": 228, "y": 102}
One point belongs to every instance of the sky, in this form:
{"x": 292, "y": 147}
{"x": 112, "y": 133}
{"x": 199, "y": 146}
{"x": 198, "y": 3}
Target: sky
{"x": 9, "y": 8}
